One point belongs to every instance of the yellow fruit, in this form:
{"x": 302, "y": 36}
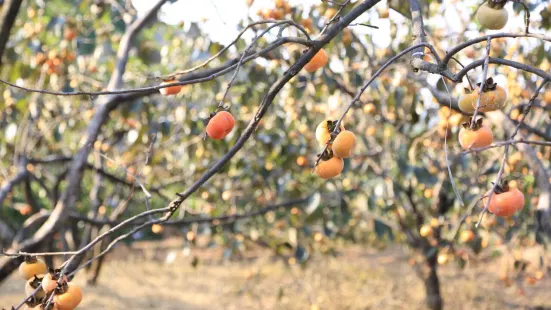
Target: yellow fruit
{"x": 466, "y": 236}
{"x": 171, "y": 90}
{"x": 383, "y": 12}
{"x": 547, "y": 97}
{"x": 324, "y": 129}
{"x": 31, "y": 286}
{"x": 307, "y": 23}
{"x": 475, "y": 138}
{"x": 492, "y": 18}
{"x": 425, "y": 231}
{"x": 331, "y": 168}
{"x": 32, "y": 267}
{"x": 490, "y": 100}
{"x": 70, "y": 298}
{"x": 346, "y": 36}
{"x": 157, "y": 228}
{"x": 369, "y": 108}
{"x": 319, "y": 60}
{"x": 344, "y": 144}
{"x": 329, "y": 13}
{"x": 442, "y": 258}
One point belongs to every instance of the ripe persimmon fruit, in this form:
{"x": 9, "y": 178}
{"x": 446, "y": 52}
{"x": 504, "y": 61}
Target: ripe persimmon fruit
{"x": 346, "y": 36}
{"x": 68, "y": 296}
{"x": 547, "y": 97}
{"x": 493, "y": 98}
{"x": 171, "y": 90}
{"x": 505, "y": 201}
{"x": 324, "y": 130}
{"x": 307, "y": 23}
{"x": 466, "y": 236}
{"x": 69, "y": 34}
{"x": 220, "y": 125}
{"x": 319, "y": 60}
{"x": 479, "y": 136}
{"x": 344, "y": 144}
{"x": 492, "y": 15}
{"x": 279, "y": 3}
{"x": 442, "y": 258}
{"x": 32, "y": 284}
{"x": 329, "y": 13}
{"x": 329, "y": 168}
{"x": 425, "y": 231}
{"x": 31, "y": 267}
{"x": 157, "y": 228}
{"x": 50, "y": 280}
{"x": 383, "y": 12}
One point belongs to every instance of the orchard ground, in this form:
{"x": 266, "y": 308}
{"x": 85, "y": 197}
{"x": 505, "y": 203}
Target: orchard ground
{"x": 359, "y": 278}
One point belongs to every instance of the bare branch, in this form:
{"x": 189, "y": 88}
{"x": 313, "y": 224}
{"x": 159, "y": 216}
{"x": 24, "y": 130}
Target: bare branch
{"x": 21, "y": 175}
{"x": 68, "y": 199}
{"x": 199, "y": 77}
{"x": 417, "y": 28}
{"x": 464, "y": 45}
{"x": 7, "y": 18}
{"x": 500, "y": 61}
{"x": 213, "y": 57}
{"x": 508, "y": 142}
{"x": 126, "y": 44}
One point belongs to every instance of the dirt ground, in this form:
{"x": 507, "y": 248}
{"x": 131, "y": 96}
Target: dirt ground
{"x": 357, "y": 279}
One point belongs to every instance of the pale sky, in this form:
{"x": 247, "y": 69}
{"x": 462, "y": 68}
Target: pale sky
{"x": 219, "y": 18}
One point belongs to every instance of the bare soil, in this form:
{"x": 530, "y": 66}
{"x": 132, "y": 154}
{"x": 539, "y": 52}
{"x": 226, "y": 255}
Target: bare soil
{"x": 358, "y": 278}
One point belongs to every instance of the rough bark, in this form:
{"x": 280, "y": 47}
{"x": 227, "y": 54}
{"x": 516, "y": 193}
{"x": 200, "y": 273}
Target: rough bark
{"x": 432, "y": 284}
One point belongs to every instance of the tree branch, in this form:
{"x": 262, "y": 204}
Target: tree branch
{"x": 7, "y": 19}
{"x": 18, "y": 178}
{"x": 126, "y": 44}
{"x": 417, "y": 28}
{"x": 68, "y": 199}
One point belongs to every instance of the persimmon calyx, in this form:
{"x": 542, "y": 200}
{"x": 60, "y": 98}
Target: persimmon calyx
{"x": 477, "y": 124}
{"x": 36, "y": 281}
{"x": 61, "y": 289}
{"x": 331, "y": 125}
{"x": 30, "y": 259}
{"x": 488, "y": 86}
{"x": 501, "y": 188}
{"x": 326, "y": 155}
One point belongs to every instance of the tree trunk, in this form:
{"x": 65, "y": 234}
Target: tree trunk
{"x": 432, "y": 284}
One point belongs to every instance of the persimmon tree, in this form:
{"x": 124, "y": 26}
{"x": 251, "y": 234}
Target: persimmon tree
{"x": 113, "y": 123}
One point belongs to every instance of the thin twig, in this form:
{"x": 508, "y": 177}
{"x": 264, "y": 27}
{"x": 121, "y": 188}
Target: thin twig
{"x": 504, "y": 143}
{"x": 240, "y": 62}
{"x": 213, "y": 57}
{"x": 156, "y": 88}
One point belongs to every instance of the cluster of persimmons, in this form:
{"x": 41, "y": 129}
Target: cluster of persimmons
{"x": 49, "y": 289}
{"x": 338, "y": 142}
